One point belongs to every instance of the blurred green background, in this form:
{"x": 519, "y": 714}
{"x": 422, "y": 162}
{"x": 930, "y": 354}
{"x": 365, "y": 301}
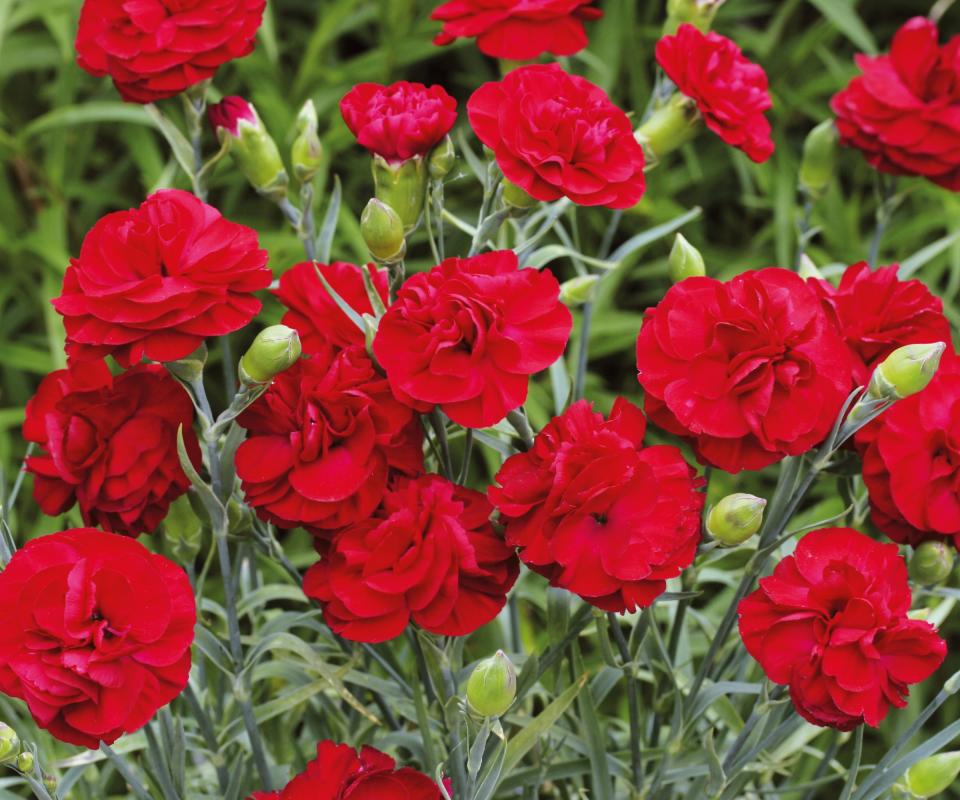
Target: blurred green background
{"x": 71, "y": 151}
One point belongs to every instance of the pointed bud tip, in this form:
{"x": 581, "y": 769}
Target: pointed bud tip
{"x": 492, "y": 686}
{"x": 931, "y": 562}
{"x": 685, "y": 260}
{"x": 273, "y": 350}
{"x": 383, "y": 231}
{"x": 579, "y": 290}
{"x": 933, "y": 775}
{"x": 906, "y": 371}
{"x": 736, "y": 518}
{"x": 819, "y": 161}
{"x": 441, "y": 159}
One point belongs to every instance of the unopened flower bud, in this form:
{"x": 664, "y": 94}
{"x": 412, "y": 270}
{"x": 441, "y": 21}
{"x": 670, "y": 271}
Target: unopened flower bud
{"x": 402, "y": 186}
{"x": 183, "y": 529}
{"x": 906, "y": 371}
{"x": 441, "y": 159}
{"x": 516, "y": 198}
{"x": 275, "y": 349}
{"x": 697, "y": 12}
{"x": 306, "y": 154}
{"x": 579, "y": 290}
{"x": 50, "y": 783}
{"x": 239, "y": 518}
{"x": 492, "y": 686}
{"x": 931, "y": 562}
{"x": 382, "y": 231}
{"x": 735, "y": 518}
{"x": 819, "y": 158}
{"x": 933, "y": 775}
{"x": 672, "y": 125}
{"x": 238, "y": 125}
{"x": 685, "y": 260}
{"x": 189, "y": 369}
{"x": 25, "y": 762}
{"x": 9, "y": 744}
{"x": 808, "y": 269}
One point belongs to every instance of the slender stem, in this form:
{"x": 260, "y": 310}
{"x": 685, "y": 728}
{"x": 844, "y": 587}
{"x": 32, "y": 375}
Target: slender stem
{"x": 18, "y": 481}
{"x": 307, "y": 229}
{"x": 489, "y": 192}
{"x": 854, "y": 765}
{"x": 885, "y": 210}
{"x": 759, "y": 711}
{"x": 939, "y": 9}
{"x": 633, "y": 703}
{"x": 519, "y": 423}
{"x": 209, "y": 736}
{"x": 803, "y": 233}
{"x": 195, "y": 108}
{"x": 583, "y": 352}
{"x": 158, "y": 763}
{"x": 440, "y": 432}
{"x": 242, "y": 685}
{"x": 513, "y": 608}
{"x": 135, "y": 784}
{"x": 302, "y": 223}
{"x": 213, "y": 453}
{"x": 229, "y": 368}
{"x": 455, "y": 759}
{"x": 467, "y": 456}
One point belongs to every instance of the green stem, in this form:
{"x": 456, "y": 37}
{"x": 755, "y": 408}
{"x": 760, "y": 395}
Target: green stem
{"x": 518, "y": 421}
{"x": 583, "y": 352}
{"x": 851, "y": 781}
{"x": 209, "y": 735}
{"x": 440, "y": 432}
{"x": 633, "y": 703}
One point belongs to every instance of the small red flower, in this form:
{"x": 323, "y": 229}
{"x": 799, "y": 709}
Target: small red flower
{"x": 596, "y": 512}
{"x": 154, "y": 50}
{"x": 429, "y": 554}
{"x": 228, "y": 113}
{"x": 340, "y": 773}
{"x": 156, "y": 280}
{"x": 517, "y": 31}
{"x": 558, "y": 135}
{"x": 730, "y": 90}
{"x": 111, "y": 445}
{"x": 911, "y": 462}
{"x": 831, "y": 622}
{"x": 97, "y": 633}
{"x": 902, "y": 113}
{"x": 323, "y": 440}
{"x": 467, "y": 335}
{"x": 876, "y": 313}
{"x": 399, "y": 121}
{"x": 750, "y": 370}
{"x": 313, "y": 313}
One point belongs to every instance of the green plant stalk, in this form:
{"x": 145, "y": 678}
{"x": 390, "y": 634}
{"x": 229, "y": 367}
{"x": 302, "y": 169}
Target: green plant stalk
{"x": 490, "y": 185}
{"x": 633, "y": 703}
{"x": 209, "y": 736}
{"x": 195, "y": 108}
{"x": 851, "y": 781}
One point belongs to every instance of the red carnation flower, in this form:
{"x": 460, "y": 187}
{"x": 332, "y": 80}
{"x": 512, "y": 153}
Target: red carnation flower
{"x": 97, "y": 633}
{"x": 911, "y": 462}
{"x": 468, "y": 334}
{"x": 154, "y": 50}
{"x": 111, "y": 445}
{"x": 399, "y": 121}
{"x": 558, "y": 135}
{"x": 323, "y": 440}
{"x": 429, "y": 554}
{"x": 156, "y": 280}
{"x": 340, "y": 773}
{"x": 228, "y": 113}
{"x": 312, "y": 311}
{"x": 730, "y": 90}
{"x": 750, "y": 370}
{"x": 517, "y": 31}
{"x": 831, "y": 622}
{"x": 903, "y": 112}
{"x": 596, "y": 512}
{"x": 876, "y": 313}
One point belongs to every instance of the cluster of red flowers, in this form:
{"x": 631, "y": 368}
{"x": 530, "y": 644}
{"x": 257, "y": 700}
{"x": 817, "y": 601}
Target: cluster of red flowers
{"x": 748, "y": 371}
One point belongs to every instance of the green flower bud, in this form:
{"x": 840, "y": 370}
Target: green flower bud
{"x": 275, "y": 349}
{"x": 9, "y": 744}
{"x": 579, "y": 290}
{"x": 697, "y": 12}
{"x": 190, "y": 368}
{"x": 382, "y": 231}
{"x": 808, "y": 269}
{"x": 239, "y": 518}
{"x": 183, "y": 529}
{"x": 819, "y": 158}
{"x": 50, "y": 782}
{"x": 238, "y": 126}
{"x": 933, "y": 775}
{"x": 402, "y": 186}
{"x": 441, "y": 159}
{"x": 25, "y": 762}
{"x": 516, "y": 198}
{"x": 306, "y": 153}
{"x": 685, "y": 260}
{"x": 671, "y": 126}
{"x": 492, "y": 686}
{"x": 906, "y": 371}
{"x": 931, "y": 562}
{"x": 735, "y": 518}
